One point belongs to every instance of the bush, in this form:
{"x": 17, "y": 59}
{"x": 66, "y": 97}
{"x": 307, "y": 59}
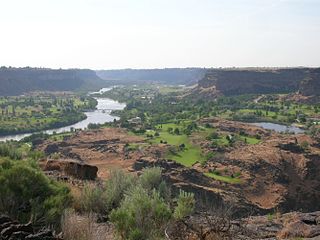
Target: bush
{"x": 93, "y": 126}
{"x": 305, "y": 145}
{"x": 213, "y": 136}
{"x": 210, "y": 155}
{"x": 26, "y": 193}
{"x": 116, "y": 186}
{"x": 185, "y": 205}
{"x": 151, "y": 178}
{"x": 141, "y": 215}
{"x": 10, "y": 150}
{"x": 92, "y": 199}
{"x": 75, "y": 227}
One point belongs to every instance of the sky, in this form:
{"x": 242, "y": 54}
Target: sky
{"x": 116, "y": 34}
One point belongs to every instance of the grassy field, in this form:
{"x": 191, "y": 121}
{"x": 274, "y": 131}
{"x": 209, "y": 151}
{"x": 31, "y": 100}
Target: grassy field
{"x": 250, "y": 140}
{"x": 191, "y": 153}
{"x": 187, "y": 156}
{"x": 226, "y": 179}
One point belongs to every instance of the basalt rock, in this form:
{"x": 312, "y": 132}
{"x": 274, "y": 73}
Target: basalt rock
{"x": 12, "y": 230}
{"x": 292, "y": 225}
{"x": 71, "y": 168}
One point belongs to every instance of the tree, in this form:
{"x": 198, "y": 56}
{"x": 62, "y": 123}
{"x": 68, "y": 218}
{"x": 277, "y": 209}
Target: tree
{"x": 182, "y": 146}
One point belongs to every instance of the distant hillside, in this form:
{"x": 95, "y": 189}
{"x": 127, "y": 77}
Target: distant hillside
{"x": 260, "y": 81}
{"x": 174, "y": 76}
{"x": 15, "y": 81}
{"x": 311, "y": 84}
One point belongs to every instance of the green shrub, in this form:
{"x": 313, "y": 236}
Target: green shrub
{"x": 150, "y": 178}
{"x": 92, "y": 199}
{"x": 35, "y": 155}
{"x": 141, "y": 215}
{"x": 27, "y": 194}
{"x": 210, "y": 155}
{"x": 213, "y": 136}
{"x": 10, "y": 150}
{"x": 116, "y": 186}
{"x": 185, "y": 205}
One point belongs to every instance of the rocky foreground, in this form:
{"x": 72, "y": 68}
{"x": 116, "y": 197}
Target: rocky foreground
{"x": 293, "y": 225}
{"x": 12, "y": 230}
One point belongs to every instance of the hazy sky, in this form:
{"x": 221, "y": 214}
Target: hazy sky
{"x": 106, "y": 34}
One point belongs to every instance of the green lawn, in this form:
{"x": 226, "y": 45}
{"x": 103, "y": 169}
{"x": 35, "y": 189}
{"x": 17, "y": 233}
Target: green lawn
{"x": 250, "y": 140}
{"x": 187, "y": 157}
{"x": 226, "y": 179}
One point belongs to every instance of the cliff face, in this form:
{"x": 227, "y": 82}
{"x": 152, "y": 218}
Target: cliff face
{"x": 310, "y": 86}
{"x": 165, "y": 76}
{"x": 261, "y": 81}
{"x": 15, "y": 81}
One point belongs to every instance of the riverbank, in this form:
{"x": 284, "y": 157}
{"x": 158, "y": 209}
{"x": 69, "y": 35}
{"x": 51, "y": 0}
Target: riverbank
{"x": 100, "y": 115}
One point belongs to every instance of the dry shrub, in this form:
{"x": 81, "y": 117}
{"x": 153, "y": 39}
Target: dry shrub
{"x": 76, "y": 227}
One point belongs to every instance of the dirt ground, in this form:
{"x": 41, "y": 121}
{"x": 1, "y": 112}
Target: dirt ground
{"x": 106, "y": 148}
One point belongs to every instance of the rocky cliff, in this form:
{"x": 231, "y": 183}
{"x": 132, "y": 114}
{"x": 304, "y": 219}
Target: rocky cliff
{"x": 172, "y": 76}
{"x": 311, "y": 84}
{"x": 15, "y": 81}
{"x": 261, "y": 81}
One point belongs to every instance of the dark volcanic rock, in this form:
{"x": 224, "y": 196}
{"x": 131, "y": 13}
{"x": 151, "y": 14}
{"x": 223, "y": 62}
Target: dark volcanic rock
{"x": 293, "y": 225}
{"x": 15, "y": 231}
{"x": 71, "y": 168}
{"x": 13, "y": 228}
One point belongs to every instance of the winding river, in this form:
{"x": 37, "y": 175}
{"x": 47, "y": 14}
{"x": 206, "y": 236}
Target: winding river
{"x": 101, "y": 115}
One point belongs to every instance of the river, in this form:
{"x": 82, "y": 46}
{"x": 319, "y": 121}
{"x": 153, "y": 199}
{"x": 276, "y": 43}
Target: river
{"x": 101, "y": 115}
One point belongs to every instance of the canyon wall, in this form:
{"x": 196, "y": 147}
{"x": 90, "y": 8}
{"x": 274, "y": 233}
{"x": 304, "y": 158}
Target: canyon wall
{"x": 262, "y": 81}
{"x": 15, "y": 81}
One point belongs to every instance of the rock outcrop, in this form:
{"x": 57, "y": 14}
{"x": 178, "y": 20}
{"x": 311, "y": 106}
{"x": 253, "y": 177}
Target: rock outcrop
{"x": 293, "y": 225}
{"x": 87, "y": 151}
{"x": 12, "y": 230}
{"x": 71, "y": 167}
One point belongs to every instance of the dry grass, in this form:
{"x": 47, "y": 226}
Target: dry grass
{"x": 85, "y": 227}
